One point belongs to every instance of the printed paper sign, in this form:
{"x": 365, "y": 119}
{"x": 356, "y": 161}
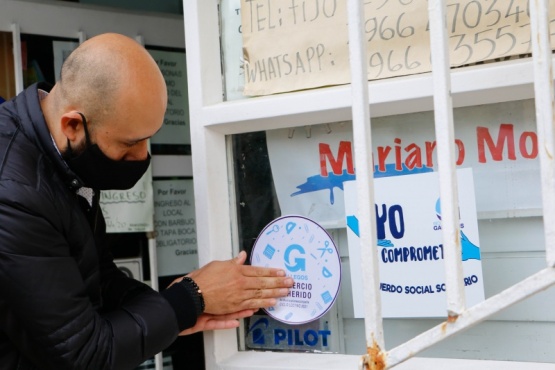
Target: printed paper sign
{"x": 410, "y": 248}
{"x": 308, "y": 254}
{"x": 309, "y": 172}
{"x": 175, "y": 226}
{"x": 129, "y": 211}
{"x": 176, "y": 129}
{"x": 498, "y": 141}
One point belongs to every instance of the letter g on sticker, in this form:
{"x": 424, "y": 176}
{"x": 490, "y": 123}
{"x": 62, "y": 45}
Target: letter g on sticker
{"x": 299, "y": 263}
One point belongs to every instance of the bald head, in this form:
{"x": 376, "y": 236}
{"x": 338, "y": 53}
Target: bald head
{"x": 110, "y": 74}
{"x": 115, "y": 84}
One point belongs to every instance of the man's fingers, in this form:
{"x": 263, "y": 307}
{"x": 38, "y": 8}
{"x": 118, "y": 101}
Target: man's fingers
{"x": 260, "y": 298}
{"x": 267, "y": 293}
{"x": 223, "y": 324}
{"x": 238, "y": 315}
{"x": 241, "y": 258}
{"x": 261, "y": 303}
{"x": 262, "y": 271}
{"x": 265, "y": 283}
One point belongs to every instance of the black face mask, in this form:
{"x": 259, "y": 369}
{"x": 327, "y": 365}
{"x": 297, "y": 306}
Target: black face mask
{"x": 98, "y": 171}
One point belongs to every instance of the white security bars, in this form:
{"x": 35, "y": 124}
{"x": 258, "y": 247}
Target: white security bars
{"x": 363, "y": 162}
{"x": 459, "y": 318}
{"x": 543, "y": 88}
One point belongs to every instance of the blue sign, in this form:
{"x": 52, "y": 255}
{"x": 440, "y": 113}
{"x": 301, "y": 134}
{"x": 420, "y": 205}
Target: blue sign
{"x": 267, "y": 333}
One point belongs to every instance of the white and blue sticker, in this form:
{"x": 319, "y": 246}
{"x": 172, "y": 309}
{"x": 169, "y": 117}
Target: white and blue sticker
{"x": 308, "y": 254}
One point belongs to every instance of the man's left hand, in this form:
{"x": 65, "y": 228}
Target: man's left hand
{"x": 208, "y": 321}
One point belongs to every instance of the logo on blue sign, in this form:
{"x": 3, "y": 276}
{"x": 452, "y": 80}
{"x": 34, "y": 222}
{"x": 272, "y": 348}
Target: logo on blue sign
{"x": 257, "y": 329}
{"x": 286, "y": 336}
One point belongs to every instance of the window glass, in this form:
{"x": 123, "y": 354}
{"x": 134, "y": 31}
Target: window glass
{"x": 232, "y": 49}
{"x": 258, "y": 206}
{"x": 160, "y": 6}
{"x": 175, "y": 136}
{"x": 42, "y": 57}
{"x": 307, "y": 170}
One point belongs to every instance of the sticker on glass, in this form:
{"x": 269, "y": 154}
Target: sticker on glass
{"x": 307, "y": 253}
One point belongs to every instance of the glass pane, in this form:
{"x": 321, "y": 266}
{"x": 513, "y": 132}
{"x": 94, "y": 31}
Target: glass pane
{"x": 42, "y": 57}
{"x": 159, "y": 6}
{"x": 175, "y": 136}
{"x": 7, "y": 72}
{"x": 257, "y": 206}
{"x": 306, "y": 171}
{"x": 232, "y": 49}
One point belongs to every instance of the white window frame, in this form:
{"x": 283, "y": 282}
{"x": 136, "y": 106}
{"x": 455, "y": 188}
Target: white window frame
{"x": 212, "y": 119}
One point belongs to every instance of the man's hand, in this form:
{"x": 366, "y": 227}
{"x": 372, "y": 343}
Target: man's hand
{"x": 207, "y": 321}
{"x": 230, "y": 286}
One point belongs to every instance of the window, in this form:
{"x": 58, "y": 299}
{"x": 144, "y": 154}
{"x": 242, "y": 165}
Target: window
{"x": 493, "y": 117}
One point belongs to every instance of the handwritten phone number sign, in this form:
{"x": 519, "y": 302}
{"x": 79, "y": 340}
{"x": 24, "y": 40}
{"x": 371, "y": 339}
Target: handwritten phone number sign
{"x": 298, "y": 44}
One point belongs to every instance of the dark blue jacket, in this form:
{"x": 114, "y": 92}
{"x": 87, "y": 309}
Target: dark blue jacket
{"x": 63, "y": 302}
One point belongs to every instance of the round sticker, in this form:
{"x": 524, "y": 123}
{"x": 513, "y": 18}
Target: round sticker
{"x": 306, "y": 252}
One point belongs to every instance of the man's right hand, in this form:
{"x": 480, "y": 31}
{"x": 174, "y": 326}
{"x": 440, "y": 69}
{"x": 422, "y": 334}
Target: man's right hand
{"x": 231, "y": 286}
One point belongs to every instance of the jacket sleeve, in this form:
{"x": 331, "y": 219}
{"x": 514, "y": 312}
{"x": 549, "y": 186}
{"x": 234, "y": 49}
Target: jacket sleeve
{"x": 45, "y": 309}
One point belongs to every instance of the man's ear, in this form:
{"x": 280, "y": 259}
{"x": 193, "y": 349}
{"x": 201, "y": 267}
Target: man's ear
{"x": 72, "y": 126}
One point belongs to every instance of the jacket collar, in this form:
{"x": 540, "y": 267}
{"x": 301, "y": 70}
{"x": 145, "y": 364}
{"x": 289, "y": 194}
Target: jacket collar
{"x": 36, "y": 126}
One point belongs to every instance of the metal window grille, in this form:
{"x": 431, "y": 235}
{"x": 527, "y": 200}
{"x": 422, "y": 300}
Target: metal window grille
{"x": 459, "y": 316}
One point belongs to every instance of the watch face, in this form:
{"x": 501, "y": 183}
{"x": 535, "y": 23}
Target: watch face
{"x": 307, "y": 253}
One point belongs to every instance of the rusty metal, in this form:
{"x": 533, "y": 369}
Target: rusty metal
{"x": 450, "y": 320}
{"x": 375, "y": 359}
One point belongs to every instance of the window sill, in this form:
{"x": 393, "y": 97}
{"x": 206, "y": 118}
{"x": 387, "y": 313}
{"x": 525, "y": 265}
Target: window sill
{"x": 309, "y": 361}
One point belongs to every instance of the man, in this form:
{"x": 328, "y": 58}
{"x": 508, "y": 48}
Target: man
{"x": 63, "y": 302}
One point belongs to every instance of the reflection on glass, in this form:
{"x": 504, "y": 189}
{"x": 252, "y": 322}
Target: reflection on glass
{"x": 42, "y": 57}
{"x": 257, "y": 206}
